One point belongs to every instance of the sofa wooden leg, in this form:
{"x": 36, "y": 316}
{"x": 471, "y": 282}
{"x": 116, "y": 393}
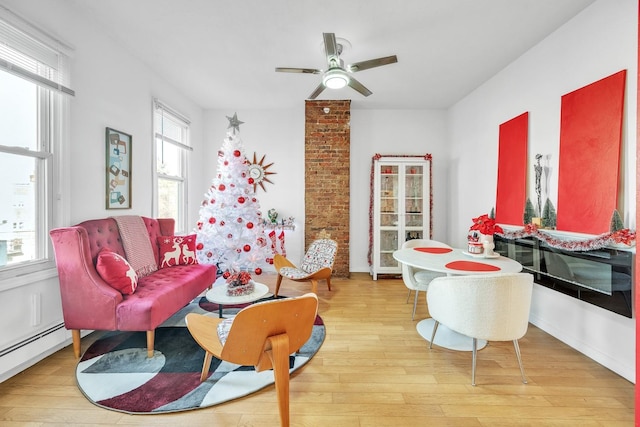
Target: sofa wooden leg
{"x": 150, "y": 338}
{"x": 75, "y": 336}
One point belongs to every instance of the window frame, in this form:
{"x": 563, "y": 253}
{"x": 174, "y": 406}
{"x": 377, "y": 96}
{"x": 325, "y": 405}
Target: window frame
{"x": 161, "y": 111}
{"x": 52, "y": 120}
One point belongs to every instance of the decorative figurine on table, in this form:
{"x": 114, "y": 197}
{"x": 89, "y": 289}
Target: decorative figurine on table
{"x": 273, "y": 216}
{"x": 239, "y": 284}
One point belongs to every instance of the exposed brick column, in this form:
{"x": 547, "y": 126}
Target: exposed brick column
{"x": 327, "y": 154}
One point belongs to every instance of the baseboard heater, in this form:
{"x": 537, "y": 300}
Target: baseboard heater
{"x": 31, "y": 339}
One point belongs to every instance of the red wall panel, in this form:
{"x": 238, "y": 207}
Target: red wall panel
{"x": 589, "y": 164}
{"x": 512, "y": 170}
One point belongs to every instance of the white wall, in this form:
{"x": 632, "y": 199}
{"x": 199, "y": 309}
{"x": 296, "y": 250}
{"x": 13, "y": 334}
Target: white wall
{"x": 597, "y": 43}
{"x": 113, "y": 89}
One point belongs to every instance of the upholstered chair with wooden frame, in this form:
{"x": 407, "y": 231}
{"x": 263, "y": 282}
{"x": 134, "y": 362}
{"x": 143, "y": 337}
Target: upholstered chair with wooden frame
{"x": 416, "y": 279}
{"x": 262, "y": 335}
{"x": 492, "y": 307}
{"x": 317, "y": 264}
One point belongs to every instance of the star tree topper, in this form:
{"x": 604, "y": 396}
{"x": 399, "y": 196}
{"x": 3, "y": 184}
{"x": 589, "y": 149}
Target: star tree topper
{"x": 234, "y": 123}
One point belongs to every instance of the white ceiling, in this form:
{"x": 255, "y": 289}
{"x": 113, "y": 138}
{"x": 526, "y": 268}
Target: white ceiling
{"x": 222, "y": 54}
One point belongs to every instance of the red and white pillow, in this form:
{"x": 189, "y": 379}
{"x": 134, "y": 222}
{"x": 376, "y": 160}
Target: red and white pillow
{"x": 177, "y": 250}
{"x": 117, "y": 272}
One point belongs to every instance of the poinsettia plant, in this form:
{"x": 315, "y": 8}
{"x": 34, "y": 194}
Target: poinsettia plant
{"x": 238, "y": 278}
{"x": 486, "y": 225}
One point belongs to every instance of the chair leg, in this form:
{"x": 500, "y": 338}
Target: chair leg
{"x": 278, "y": 282}
{"x": 75, "y": 336}
{"x": 408, "y": 295}
{"x": 433, "y": 334}
{"x": 415, "y": 304}
{"x": 314, "y": 286}
{"x": 150, "y": 339}
{"x": 205, "y": 366}
{"x": 473, "y": 364}
{"x": 329, "y": 283}
{"x": 279, "y": 355}
{"x": 517, "y": 348}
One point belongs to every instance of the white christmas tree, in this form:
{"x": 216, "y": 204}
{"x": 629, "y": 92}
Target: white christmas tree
{"x": 230, "y": 231}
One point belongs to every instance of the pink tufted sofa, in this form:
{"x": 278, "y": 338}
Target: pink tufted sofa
{"x": 88, "y": 302}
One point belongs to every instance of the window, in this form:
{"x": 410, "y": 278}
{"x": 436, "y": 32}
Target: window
{"x": 171, "y": 132}
{"x": 32, "y": 104}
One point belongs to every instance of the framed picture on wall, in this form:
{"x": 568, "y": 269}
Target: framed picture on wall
{"x": 118, "y": 169}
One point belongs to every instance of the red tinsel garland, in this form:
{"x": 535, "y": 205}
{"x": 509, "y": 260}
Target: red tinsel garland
{"x": 625, "y": 236}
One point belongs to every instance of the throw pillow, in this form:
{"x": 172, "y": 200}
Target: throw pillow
{"x": 117, "y": 272}
{"x": 177, "y": 250}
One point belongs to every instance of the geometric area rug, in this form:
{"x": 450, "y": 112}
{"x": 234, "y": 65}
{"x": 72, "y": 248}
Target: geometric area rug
{"x": 115, "y": 372}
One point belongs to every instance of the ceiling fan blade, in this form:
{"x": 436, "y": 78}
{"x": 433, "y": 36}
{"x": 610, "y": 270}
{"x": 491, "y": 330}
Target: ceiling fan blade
{"x": 371, "y": 63}
{"x": 330, "y": 46}
{"x": 298, "y": 70}
{"x": 317, "y": 91}
{"x": 353, "y": 83}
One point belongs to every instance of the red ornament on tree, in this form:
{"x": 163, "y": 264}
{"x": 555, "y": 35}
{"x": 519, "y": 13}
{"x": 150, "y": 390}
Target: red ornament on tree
{"x": 221, "y": 187}
{"x": 249, "y": 225}
{"x": 221, "y": 223}
{"x": 258, "y": 271}
{"x": 250, "y": 181}
{"x": 241, "y": 199}
{"x": 247, "y": 248}
{"x": 212, "y": 220}
{"x": 199, "y": 246}
{"x": 237, "y": 153}
{"x": 239, "y": 220}
{"x": 226, "y": 162}
{"x": 209, "y": 254}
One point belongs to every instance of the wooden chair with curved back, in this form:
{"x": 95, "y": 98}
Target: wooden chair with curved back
{"x": 316, "y": 265}
{"x": 262, "y": 335}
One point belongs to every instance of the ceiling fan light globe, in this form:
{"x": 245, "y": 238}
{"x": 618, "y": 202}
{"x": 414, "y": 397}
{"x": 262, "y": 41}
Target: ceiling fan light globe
{"x": 335, "y": 79}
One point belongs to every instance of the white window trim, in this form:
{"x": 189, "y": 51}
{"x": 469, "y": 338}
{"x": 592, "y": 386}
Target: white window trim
{"x": 55, "y": 122}
{"x": 159, "y": 105}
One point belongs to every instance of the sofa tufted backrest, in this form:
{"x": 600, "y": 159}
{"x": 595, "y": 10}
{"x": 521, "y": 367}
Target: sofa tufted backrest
{"x": 104, "y": 233}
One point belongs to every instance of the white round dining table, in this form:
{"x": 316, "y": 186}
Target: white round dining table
{"x": 452, "y": 261}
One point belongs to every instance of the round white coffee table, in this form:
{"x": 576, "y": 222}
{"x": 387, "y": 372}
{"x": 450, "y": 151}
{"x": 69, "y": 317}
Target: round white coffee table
{"x": 218, "y": 295}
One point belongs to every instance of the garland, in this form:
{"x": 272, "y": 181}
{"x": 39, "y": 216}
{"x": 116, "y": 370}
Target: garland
{"x": 624, "y": 236}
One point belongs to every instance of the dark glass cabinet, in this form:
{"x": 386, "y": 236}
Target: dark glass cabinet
{"x": 603, "y": 277}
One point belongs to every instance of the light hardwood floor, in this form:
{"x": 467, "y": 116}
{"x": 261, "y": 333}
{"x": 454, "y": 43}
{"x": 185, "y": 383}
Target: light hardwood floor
{"x": 372, "y": 370}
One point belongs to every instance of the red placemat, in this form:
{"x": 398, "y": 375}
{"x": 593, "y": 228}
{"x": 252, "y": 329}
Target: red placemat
{"x": 471, "y": 266}
{"x": 434, "y": 250}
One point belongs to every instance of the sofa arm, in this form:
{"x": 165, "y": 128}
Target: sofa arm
{"x": 88, "y": 302}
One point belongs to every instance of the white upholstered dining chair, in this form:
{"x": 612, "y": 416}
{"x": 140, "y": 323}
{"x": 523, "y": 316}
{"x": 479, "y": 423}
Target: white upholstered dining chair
{"x": 416, "y": 279}
{"x": 492, "y": 307}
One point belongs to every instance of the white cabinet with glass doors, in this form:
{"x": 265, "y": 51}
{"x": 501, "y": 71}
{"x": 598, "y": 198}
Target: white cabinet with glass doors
{"x": 401, "y": 208}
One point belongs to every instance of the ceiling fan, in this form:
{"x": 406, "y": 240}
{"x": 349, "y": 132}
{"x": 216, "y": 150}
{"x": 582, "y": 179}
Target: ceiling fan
{"x": 337, "y": 75}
